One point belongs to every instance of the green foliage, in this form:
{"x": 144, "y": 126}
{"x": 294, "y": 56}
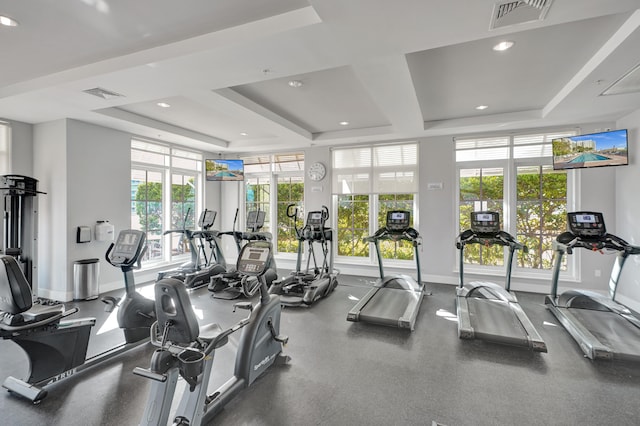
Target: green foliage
{"x": 353, "y": 225}
{"x": 542, "y": 217}
{"x": 540, "y": 213}
{"x": 290, "y": 191}
{"x": 561, "y": 147}
{"x": 148, "y": 206}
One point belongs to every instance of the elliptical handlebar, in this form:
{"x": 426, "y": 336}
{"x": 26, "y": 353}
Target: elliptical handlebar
{"x": 325, "y": 213}
{"x": 294, "y": 216}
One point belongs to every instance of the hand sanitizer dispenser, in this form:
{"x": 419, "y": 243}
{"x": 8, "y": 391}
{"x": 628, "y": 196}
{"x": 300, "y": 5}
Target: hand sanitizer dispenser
{"x": 104, "y": 231}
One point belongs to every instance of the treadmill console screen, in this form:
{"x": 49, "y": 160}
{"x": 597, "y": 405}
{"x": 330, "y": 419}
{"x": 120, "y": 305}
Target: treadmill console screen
{"x": 485, "y": 222}
{"x": 315, "y": 219}
{"x": 207, "y": 218}
{"x": 586, "y": 224}
{"x": 253, "y": 259}
{"x": 398, "y": 220}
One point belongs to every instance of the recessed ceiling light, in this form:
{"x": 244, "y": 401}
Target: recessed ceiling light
{"x": 481, "y": 107}
{"x": 8, "y": 22}
{"x": 344, "y": 123}
{"x": 163, "y": 105}
{"x": 244, "y": 134}
{"x": 295, "y": 83}
{"x": 503, "y": 45}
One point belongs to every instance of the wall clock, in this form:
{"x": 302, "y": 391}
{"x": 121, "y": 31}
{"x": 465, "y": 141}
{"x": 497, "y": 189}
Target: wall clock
{"x": 316, "y": 171}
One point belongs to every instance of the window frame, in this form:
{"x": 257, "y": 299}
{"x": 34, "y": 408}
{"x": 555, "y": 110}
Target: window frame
{"x": 167, "y": 170}
{"x": 271, "y": 173}
{"x": 374, "y": 172}
{"x": 510, "y": 167}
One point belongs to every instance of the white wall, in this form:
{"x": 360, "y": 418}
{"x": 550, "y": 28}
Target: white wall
{"x": 628, "y": 211}
{"x": 98, "y": 176}
{"x": 50, "y": 168}
{"x": 21, "y": 162}
{"x": 317, "y": 194}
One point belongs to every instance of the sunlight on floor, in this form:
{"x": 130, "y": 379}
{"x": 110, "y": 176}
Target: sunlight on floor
{"x": 352, "y": 297}
{"x": 443, "y": 313}
{"x": 111, "y": 323}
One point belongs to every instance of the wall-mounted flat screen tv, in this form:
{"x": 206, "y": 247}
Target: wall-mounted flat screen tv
{"x": 592, "y": 150}
{"x": 222, "y": 170}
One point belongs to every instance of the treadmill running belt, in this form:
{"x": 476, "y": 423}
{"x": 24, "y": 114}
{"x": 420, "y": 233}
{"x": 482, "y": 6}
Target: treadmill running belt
{"x": 611, "y": 329}
{"x": 495, "y": 321}
{"x": 388, "y": 306}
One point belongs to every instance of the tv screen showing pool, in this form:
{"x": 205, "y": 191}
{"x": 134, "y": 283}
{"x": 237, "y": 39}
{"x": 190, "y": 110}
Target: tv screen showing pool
{"x": 592, "y": 150}
{"x": 221, "y": 170}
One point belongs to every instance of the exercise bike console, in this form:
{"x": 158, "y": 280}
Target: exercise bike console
{"x": 128, "y": 249}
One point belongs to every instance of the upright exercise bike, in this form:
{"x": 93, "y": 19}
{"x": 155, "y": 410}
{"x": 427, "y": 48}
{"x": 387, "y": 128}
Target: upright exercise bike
{"x": 303, "y": 287}
{"x": 187, "y": 350}
{"x": 57, "y": 348}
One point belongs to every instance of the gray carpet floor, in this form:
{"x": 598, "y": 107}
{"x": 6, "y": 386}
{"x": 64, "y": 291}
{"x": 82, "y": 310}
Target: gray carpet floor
{"x": 344, "y": 373}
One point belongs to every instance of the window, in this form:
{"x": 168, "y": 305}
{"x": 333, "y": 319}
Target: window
{"x": 285, "y": 173}
{"x": 157, "y": 206}
{"x": 290, "y": 191}
{"x": 368, "y": 182}
{"x": 498, "y": 172}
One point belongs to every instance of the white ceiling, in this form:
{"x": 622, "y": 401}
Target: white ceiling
{"x": 392, "y": 69}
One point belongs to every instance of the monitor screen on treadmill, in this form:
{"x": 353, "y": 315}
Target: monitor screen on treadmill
{"x": 586, "y": 218}
{"x": 398, "y": 219}
{"x": 484, "y": 217}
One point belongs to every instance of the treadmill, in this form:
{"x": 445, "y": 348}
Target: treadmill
{"x": 486, "y": 310}
{"x": 394, "y": 300}
{"x": 602, "y": 327}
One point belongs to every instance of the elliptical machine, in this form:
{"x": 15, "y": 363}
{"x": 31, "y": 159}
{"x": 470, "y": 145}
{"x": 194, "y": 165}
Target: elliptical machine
{"x": 57, "y": 349}
{"x": 228, "y": 285}
{"x": 187, "y": 350}
{"x": 198, "y": 271}
{"x": 305, "y": 287}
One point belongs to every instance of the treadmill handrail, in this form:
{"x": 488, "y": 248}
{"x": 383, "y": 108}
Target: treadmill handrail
{"x": 407, "y": 234}
{"x": 498, "y": 238}
{"x": 567, "y": 241}
{"x": 501, "y": 238}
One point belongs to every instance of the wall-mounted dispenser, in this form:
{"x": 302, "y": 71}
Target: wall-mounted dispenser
{"x": 104, "y": 231}
{"x": 83, "y": 234}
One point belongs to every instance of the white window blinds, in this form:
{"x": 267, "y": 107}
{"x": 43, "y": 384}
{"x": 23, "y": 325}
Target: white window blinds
{"x": 290, "y": 162}
{"x": 376, "y": 169}
{"x": 503, "y": 148}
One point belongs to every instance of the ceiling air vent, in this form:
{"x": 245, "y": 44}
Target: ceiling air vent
{"x": 103, "y": 93}
{"x": 508, "y": 13}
